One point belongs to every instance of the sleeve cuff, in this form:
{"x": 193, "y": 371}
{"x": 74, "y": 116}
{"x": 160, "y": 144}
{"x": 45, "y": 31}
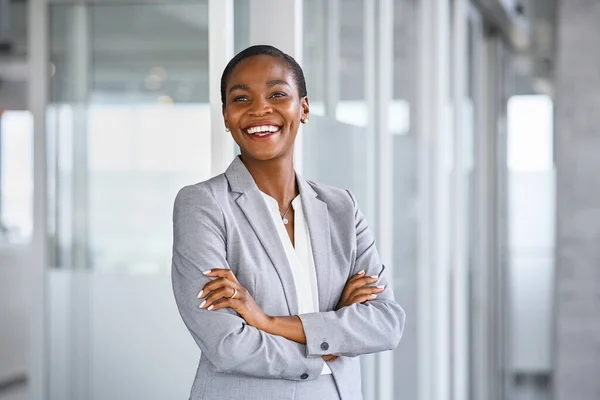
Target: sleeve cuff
{"x": 319, "y": 335}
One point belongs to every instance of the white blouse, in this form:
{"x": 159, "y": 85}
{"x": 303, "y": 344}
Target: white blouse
{"x": 299, "y": 257}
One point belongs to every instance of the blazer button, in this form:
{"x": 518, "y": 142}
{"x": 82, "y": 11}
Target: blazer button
{"x": 324, "y": 346}
{"x": 304, "y": 376}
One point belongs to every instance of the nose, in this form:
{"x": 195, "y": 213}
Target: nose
{"x": 260, "y": 107}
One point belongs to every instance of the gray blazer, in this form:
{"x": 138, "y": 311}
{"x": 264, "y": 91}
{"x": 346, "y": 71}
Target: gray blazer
{"x": 224, "y": 223}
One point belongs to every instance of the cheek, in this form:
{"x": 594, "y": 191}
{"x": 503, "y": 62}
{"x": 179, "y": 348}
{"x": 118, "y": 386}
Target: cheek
{"x": 293, "y": 112}
{"x": 233, "y": 115}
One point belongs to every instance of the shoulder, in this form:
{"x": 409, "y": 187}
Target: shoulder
{"x": 202, "y": 194}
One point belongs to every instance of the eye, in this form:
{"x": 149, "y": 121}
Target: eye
{"x": 239, "y": 98}
{"x": 278, "y": 95}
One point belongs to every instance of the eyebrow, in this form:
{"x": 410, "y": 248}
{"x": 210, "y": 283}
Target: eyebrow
{"x": 269, "y": 84}
{"x": 239, "y": 87}
{"x": 277, "y": 82}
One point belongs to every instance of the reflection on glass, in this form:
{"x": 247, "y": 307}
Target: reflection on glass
{"x": 16, "y": 176}
{"x": 129, "y": 126}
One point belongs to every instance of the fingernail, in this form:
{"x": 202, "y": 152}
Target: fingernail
{"x": 207, "y": 272}
{"x": 202, "y": 304}
{"x": 210, "y": 308}
{"x": 361, "y": 272}
{"x": 374, "y": 296}
{"x": 381, "y": 287}
{"x": 374, "y": 277}
{"x": 200, "y": 294}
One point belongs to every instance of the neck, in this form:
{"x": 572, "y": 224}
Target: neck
{"x": 276, "y": 178}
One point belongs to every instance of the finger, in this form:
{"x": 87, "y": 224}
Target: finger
{"x": 360, "y": 282}
{"x": 214, "y": 296}
{"x": 367, "y": 290}
{"x": 216, "y": 284}
{"x": 357, "y": 276}
{"x": 328, "y": 357}
{"x": 227, "y": 302}
{"x": 221, "y": 273}
{"x": 362, "y": 298}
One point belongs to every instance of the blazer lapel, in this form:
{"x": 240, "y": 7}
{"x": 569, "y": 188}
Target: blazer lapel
{"x": 257, "y": 213}
{"x": 317, "y": 219}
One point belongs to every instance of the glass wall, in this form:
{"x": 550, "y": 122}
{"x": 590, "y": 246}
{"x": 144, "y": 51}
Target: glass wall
{"x": 334, "y": 65}
{"x": 16, "y": 176}
{"x": 531, "y": 247}
{"x": 129, "y": 125}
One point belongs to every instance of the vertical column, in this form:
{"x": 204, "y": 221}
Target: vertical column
{"x": 369, "y": 362}
{"x": 483, "y": 300}
{"x": 441, "y": 164}
{"x": 435, "y": 144}
{"x": 79, "y": 53}
{"x": 505, "y": 88}
{"x": 370, "y": 64}
{"x": 384, "y": 167}
{"x": 283, "y": 33}
{"x": 424, "y": 318}
{"x": 220, "y": 51}
{"x": 577, "y": 135}
{"x": 332, "y": 56}
{"x": 37, "y": 25}
{"x": 80, "y": 320}
{"x": 459, "y": 217}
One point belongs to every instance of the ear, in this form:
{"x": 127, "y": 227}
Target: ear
{"x": 305, "y": 110}
{"x": 225, "y": 118}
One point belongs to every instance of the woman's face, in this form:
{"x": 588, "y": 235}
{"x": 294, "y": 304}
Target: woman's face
{"x": 263, "y": 109}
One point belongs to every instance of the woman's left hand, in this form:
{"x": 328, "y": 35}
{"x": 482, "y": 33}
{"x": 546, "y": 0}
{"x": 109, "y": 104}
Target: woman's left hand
{"x": 226, "y": 292}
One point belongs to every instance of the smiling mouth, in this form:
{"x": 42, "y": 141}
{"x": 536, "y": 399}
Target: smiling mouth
{"x": 262, "y": 130}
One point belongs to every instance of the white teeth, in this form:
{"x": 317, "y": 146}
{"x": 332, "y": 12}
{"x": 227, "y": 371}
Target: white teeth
{"x": 262, "y": 129}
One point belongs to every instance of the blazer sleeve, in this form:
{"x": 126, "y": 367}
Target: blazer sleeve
{"x": 358, "y": 329}
{"x": 225, "y": 339}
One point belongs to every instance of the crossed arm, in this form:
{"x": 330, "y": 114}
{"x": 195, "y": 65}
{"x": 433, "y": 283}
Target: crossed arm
{"x": 240, "y": 338}
{"x": 226, "y": 292}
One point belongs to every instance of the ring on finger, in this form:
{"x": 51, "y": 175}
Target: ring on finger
{"x": 234, "y": 293}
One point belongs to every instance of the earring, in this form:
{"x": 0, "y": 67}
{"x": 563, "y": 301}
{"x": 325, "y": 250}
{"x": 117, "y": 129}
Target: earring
{"x": 304, "y": 120}
{"x": 226, "y": 129}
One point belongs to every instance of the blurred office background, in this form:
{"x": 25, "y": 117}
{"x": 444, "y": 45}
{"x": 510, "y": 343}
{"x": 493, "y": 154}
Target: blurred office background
{"x": 468, "y": 129}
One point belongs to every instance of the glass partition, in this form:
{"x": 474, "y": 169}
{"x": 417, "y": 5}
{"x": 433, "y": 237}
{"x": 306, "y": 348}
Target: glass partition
{"x": 16, "y": 176}
{"x": 129, "y": 125}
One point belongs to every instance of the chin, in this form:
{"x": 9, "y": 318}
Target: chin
{"x": 263, "y": 154}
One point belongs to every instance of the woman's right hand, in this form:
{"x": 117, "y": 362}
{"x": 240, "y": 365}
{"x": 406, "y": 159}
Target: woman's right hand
{"x": 357, "y": 291}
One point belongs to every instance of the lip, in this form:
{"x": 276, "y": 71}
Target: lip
{"x": 261, "y": 138}
{"x": 262, "y": 123}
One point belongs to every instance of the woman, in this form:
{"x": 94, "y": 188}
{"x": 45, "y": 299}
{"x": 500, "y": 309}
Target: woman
{"x": 276, "y": 277}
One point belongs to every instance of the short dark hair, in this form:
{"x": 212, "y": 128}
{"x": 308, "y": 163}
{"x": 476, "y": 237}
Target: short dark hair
{"x": 264, "y": 50}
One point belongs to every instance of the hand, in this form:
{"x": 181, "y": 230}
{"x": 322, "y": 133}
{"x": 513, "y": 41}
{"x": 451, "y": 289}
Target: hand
{"x": 330, "y": 357}
{"x": 218, "y": 294}
{"x": 357, "y": 291}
